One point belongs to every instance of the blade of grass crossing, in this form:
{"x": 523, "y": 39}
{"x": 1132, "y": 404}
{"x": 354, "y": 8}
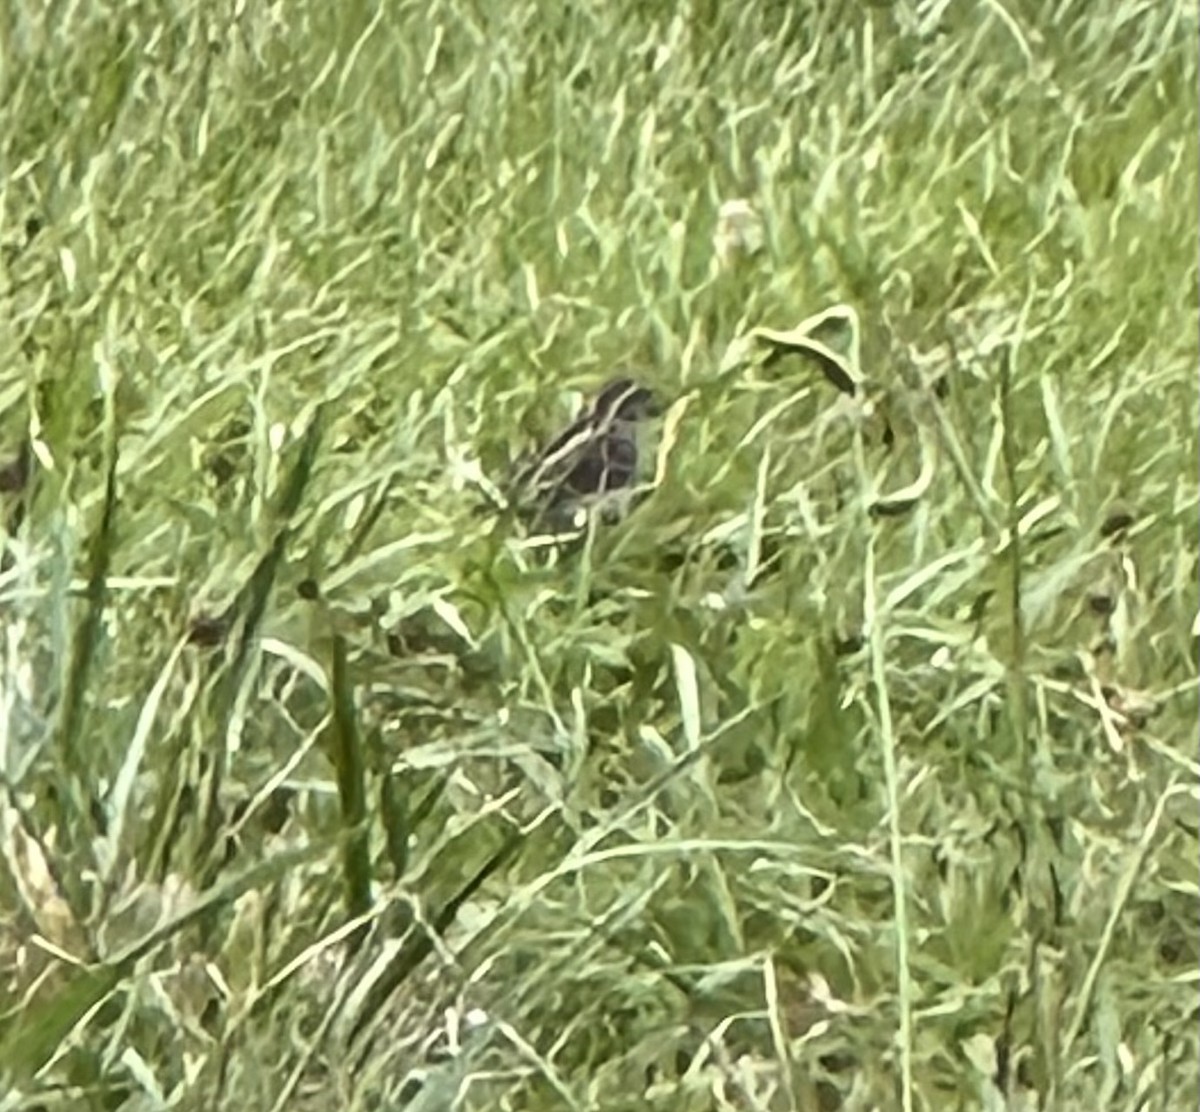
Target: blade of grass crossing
{"x": 346, "y": 750}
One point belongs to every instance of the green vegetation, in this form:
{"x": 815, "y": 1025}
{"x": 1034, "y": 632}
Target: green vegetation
{"x": 855, "y": 769}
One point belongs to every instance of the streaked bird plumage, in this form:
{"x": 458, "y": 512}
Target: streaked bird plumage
{"x": 596, "y": 455}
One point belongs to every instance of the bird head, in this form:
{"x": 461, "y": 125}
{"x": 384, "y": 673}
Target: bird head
{"x": 624, "y": 400}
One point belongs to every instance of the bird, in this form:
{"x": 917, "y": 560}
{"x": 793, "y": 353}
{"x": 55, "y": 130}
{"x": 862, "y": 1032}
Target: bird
{"x": 595, "y": 456}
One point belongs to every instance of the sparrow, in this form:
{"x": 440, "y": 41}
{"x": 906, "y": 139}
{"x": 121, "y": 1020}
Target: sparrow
{"x": 596, "y": 455}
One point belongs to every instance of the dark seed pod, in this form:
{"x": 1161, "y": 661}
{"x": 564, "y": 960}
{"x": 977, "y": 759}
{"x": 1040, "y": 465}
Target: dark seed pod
{"x": 1116, "y": 521}
{"x": 207, "y": 632}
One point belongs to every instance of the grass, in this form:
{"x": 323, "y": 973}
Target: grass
{"x": 856, "y": 769}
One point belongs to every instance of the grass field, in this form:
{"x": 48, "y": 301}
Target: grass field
{"x": 855, "y": 769}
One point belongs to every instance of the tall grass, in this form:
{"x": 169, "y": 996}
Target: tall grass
{"x": 855, "y": 769}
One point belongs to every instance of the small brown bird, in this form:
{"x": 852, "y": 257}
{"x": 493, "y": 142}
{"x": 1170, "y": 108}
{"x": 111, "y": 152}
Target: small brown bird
{"x": 596, "y": 455}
